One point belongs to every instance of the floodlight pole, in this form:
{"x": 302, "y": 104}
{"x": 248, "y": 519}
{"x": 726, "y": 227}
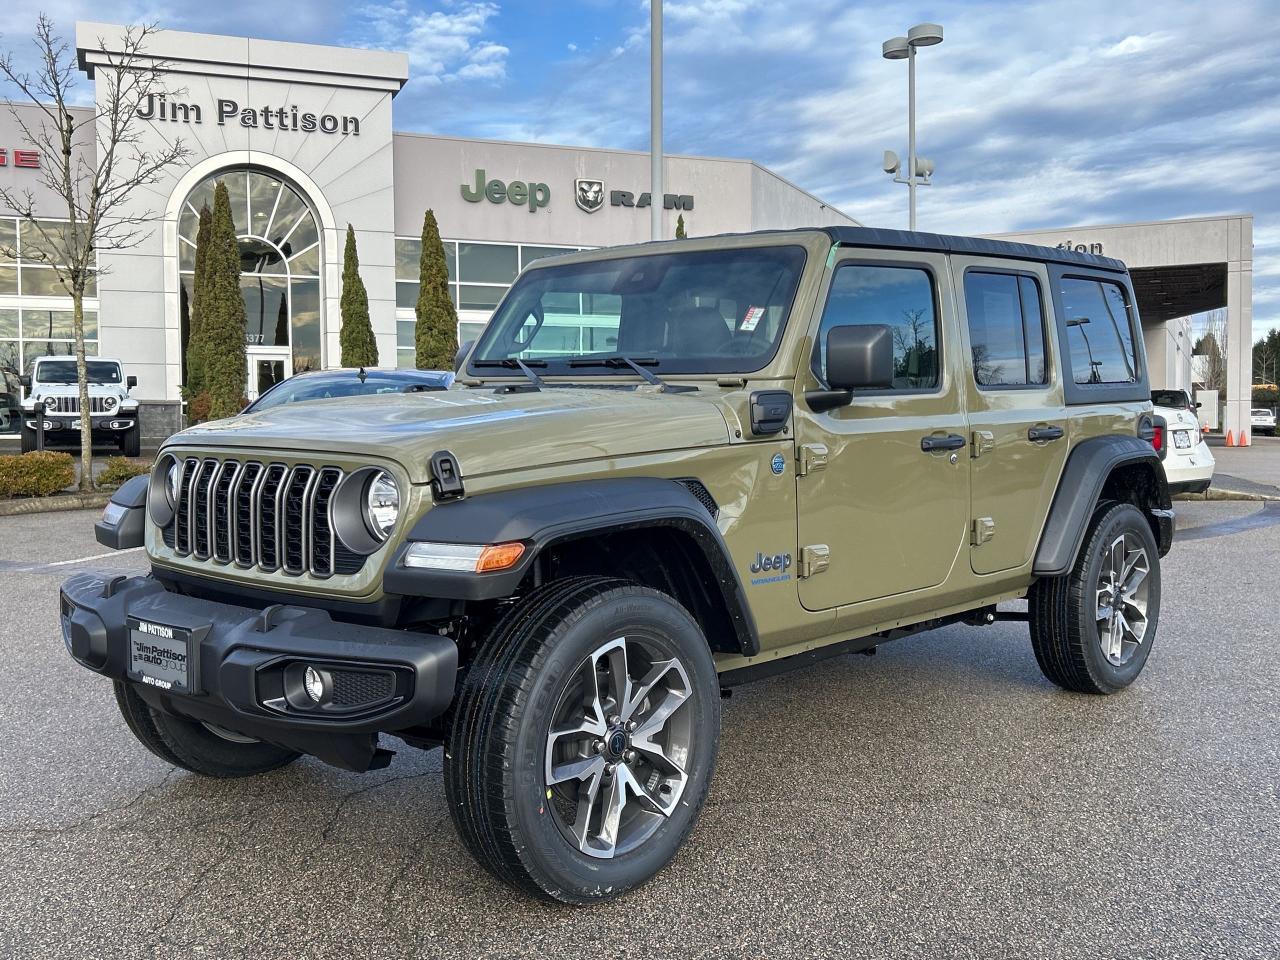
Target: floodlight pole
{"x": 655, "y": 120}
{"x": 911, "y": 136}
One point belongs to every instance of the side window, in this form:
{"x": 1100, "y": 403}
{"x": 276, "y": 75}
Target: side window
{"x": 1099, "y": 331}
{"x": 1006, "y": 329}
{"x": 901, "y": 298}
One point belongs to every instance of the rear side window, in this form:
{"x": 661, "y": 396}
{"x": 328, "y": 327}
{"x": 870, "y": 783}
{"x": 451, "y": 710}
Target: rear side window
{"x": 901, "y": 298}
{"x": 1006, "y": 329}
{"x": 1099, "y": 331}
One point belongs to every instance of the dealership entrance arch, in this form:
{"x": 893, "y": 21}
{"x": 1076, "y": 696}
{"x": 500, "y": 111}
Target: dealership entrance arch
{"x": 1180, "y": 268}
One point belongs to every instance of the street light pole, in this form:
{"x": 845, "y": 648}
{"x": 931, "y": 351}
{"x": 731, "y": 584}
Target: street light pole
{"x": 911, "y": 136}
{"x": 918, "y": 169}
{"x": 655, "y": 120}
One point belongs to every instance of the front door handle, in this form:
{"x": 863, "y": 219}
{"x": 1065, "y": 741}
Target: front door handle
{"x": 952, "y": 441}
{"x": 1050, "y": 432}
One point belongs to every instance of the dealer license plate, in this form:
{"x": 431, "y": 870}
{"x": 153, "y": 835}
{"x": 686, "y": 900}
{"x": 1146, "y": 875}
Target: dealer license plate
{"x": 160, "y": 655}
{"x": 1182, "y": 439}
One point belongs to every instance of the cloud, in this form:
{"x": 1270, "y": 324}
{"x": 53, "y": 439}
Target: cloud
{"x": 444, "y": 46}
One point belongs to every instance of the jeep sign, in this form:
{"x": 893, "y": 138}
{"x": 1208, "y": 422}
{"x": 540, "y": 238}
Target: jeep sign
{"x": 517, "y": 191}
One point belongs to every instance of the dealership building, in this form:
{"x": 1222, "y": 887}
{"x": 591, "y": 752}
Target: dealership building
{"x": 303, "y": 138}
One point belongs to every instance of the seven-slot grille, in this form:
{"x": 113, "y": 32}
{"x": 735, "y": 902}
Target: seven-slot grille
{"x": 264, "y": 515}
{"x": 72, "y": 405}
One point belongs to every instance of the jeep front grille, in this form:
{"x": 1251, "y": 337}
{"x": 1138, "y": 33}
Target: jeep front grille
{"x": 267, "y": 516}
{"x": 72, "y": 405}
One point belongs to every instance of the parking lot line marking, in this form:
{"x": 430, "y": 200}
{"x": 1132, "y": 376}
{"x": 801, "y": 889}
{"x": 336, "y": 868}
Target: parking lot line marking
{"x": 96, "y": 556}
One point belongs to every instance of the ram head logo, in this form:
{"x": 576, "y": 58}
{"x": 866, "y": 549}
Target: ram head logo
{"x": 588, "y": 194}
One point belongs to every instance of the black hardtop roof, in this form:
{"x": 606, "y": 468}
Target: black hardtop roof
{"x": 973, "y": 246}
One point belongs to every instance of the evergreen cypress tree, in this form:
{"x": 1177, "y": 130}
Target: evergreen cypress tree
{"x": 680, "y": 234}
{"x": 359, "y": 348}
{"x": 222, "y": 315}
{"x": 195, "y": 358}
{"x": 436, "y": 336}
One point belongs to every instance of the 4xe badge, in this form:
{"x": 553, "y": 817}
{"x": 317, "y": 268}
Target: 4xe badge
{"x": 778, "y": 464}
{"x": 588, "y": 194}
{"x": 770, "y": 568}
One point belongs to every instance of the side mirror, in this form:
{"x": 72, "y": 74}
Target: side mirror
{"x": 1199, "y": 404}
{"x": 130, "y": 381}
{"x": 25, "y": 381}
{"x": 860, "y": 357}
{"x": 461, "y": 355}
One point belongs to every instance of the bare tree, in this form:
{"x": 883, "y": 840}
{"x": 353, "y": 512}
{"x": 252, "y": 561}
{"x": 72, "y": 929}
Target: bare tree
{"x": 1212, "y": 345}
{"x": 94, "y": 191}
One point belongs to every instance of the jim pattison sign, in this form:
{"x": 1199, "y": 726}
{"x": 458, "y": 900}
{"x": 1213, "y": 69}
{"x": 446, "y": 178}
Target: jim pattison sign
{"x": 288, "y": 117}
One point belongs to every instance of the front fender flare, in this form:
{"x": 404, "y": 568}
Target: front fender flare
{"x": 544, "y": 515}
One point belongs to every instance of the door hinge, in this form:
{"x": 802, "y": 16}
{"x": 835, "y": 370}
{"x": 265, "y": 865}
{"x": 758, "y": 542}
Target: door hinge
{"x": 813, "y": 456}
{"x": 984, "y": 441}
{"x": 814, "y": 559}
{"x": 984, "y": 528}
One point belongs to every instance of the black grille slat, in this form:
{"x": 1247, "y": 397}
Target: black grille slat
{"x": 244, "y": 526}
{"x": 269, "y": 516}
{"x": 268, "y": 510}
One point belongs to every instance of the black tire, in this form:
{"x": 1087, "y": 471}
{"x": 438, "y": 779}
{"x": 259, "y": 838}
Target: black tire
{"x": 28, "y": 439}
{"x": 131, "y": 442}
{"x": 1065, "y": 631}
{"x": 497, "y": 753}
{"x": 193, "y": 746}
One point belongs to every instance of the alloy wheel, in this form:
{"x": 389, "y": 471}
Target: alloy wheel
{"x": 1122, "y": 596}
{"x": 618, "y": 746}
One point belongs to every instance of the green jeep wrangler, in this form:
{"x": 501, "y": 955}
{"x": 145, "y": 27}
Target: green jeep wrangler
{"x": 663, "y": 470}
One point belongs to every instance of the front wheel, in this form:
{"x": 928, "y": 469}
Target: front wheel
{"x": 1092, "y": 630}
{"x": 584, "y": 741}
{"x": 199, "y": 747}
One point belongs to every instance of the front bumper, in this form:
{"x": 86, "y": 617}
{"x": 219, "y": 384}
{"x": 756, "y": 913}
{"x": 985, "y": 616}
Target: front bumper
{"x": 245, "y": 663}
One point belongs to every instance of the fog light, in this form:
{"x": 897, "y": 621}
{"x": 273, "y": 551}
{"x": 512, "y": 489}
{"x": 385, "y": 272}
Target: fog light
{"x": 314, "y": 683}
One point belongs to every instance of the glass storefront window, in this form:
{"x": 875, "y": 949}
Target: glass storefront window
{"x": 8, "y": 280}
{"x": 28, "y": 334}
{"x": 280, "y": 258}
{"x": 487, "y": 263}
{"x": 57, "y": 324}
{"x": 479, "y": 298}
{"x": 405, "y": 333}
{"x": 409, "y": 258}
{"x": 406, "y": 295}
{"x": 8, "y": 240}
{"x": 8, "y": 324}
{"x": 406, "y": 359}
{"x": 34, "y": 349}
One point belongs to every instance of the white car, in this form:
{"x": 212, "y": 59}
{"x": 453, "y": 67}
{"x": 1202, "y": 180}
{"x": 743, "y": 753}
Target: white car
{"x": 113, "y": 413}
{"x": 1263, "y": 420}
{"x": 1188, "y": 461}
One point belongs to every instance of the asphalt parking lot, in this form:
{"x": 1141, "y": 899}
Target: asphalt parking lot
{"x": 939, "y": 799}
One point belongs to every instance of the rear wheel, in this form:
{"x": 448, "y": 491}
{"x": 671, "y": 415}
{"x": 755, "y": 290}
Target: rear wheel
{"x": 584, "y": 740}
{"x": 1092, "y": 630}
{"x": 199, "y": 747}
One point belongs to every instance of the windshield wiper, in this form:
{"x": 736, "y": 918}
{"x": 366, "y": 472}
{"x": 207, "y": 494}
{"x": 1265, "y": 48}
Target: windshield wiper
{"x": 515, "y": 363}
{"x": 637, "y": 364}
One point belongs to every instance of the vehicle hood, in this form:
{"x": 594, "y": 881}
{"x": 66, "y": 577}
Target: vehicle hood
{"x": 488, "y": 432}
{"x": 44, "y": 391}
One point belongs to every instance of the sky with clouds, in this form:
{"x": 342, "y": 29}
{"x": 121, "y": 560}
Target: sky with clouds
{"x": 1037, "y": 114}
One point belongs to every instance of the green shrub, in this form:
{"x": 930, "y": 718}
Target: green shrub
{"x": 36, "y": 474}
{"x": 120, "y": 469}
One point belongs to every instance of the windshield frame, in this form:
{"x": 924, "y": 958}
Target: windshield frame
{"x": 562, "y": 368}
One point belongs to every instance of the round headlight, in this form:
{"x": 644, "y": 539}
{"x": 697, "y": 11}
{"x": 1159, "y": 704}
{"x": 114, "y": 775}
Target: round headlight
{"x": 382, "y": 505}
{"x": 171, "y": 483}
{"x": 109, "y": 403}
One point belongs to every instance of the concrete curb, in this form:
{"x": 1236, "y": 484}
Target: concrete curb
{"x": 1216, "y": 493}
{"x": 70, "y": 501}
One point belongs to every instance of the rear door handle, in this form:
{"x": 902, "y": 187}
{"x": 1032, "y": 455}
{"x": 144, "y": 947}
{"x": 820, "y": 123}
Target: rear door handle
{"x": 1051, "y": 432}
{"x": 952, "y": 441}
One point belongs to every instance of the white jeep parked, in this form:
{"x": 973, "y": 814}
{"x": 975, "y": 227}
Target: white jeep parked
{"x": 1188, "y": 461}
{"x": 114, "y": 414}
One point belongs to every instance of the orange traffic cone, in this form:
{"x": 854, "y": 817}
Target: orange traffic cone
{"x": 1231, "y": 440}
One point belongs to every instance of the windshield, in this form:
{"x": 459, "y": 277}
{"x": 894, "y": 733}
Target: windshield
{"x": 301, "y": 389}
{"x": 711, "y": 311}
{"x": 1170, "y": 398}
{"x": 64, "y": 371}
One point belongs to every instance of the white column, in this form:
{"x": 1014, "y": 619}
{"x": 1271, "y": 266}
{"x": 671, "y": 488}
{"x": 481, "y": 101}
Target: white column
{"x": 1239, "y": 348}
